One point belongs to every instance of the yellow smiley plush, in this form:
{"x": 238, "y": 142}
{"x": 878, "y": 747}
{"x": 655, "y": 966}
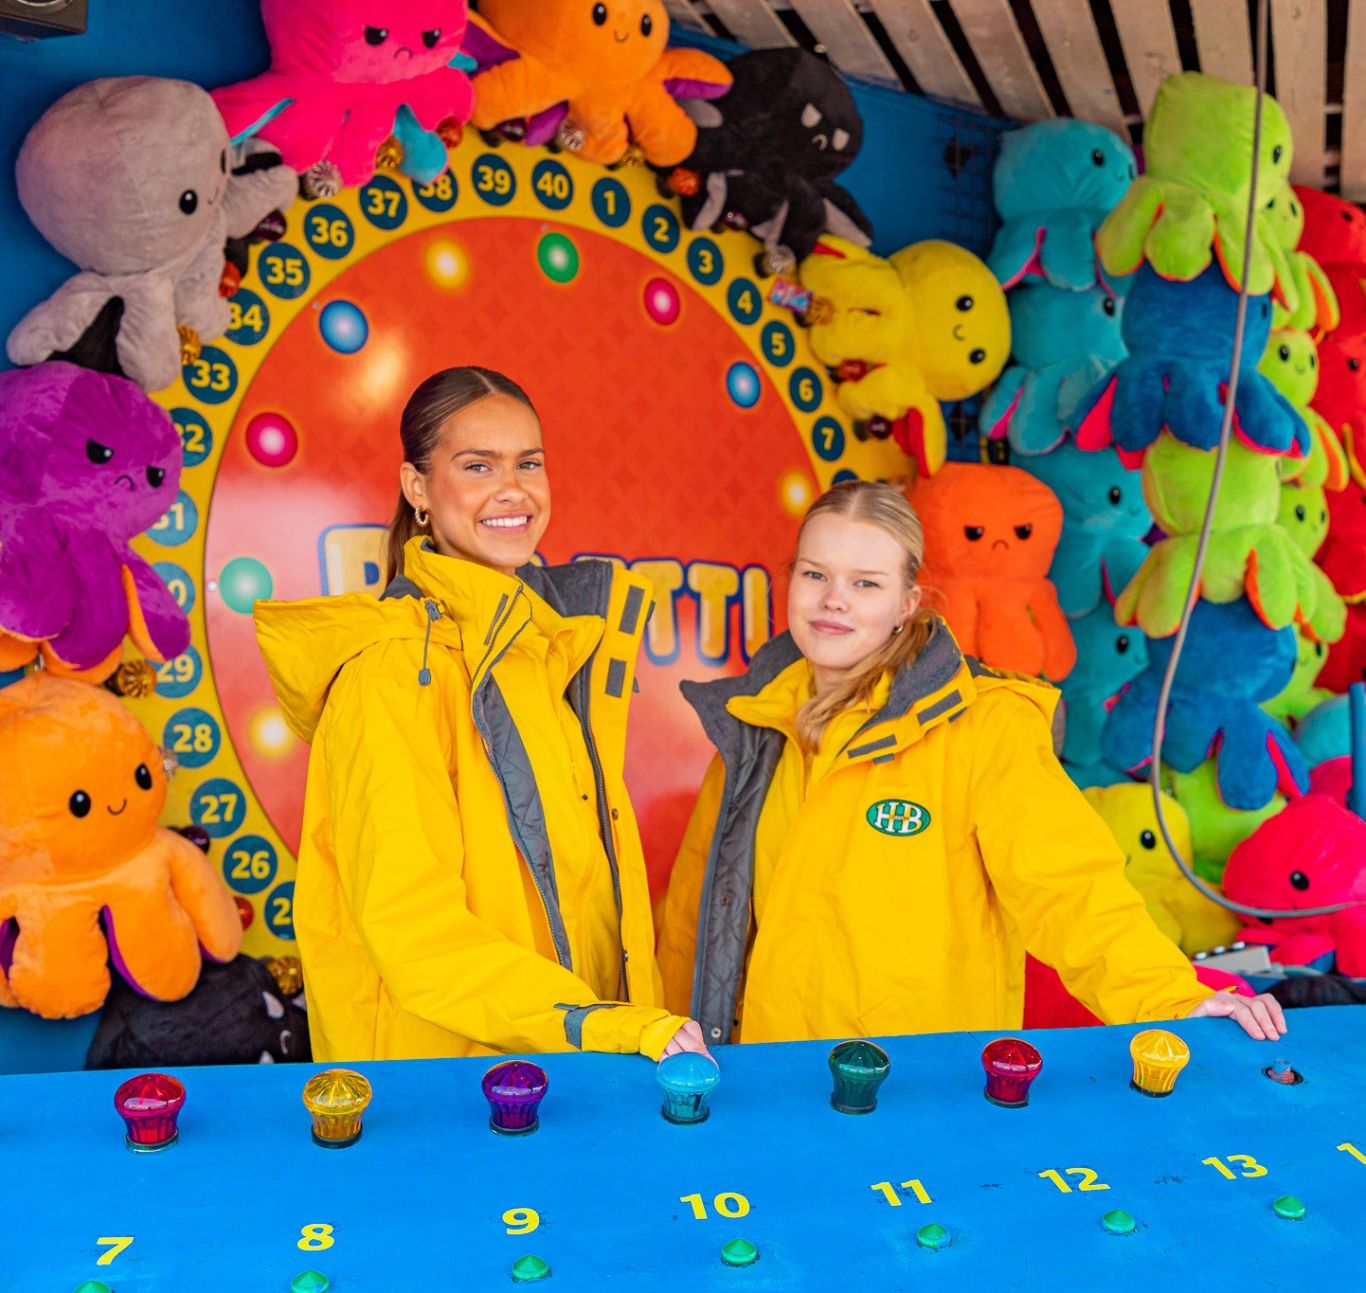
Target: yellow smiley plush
{"x": 928, "y": 323}
{"x": 1181, "y": 911}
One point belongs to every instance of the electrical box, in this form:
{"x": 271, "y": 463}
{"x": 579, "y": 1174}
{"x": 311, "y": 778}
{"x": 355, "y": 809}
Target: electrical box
{"x": 30, "y": 19}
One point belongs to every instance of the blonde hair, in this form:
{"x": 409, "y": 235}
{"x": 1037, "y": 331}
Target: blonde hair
{"x": 887, "y": 508}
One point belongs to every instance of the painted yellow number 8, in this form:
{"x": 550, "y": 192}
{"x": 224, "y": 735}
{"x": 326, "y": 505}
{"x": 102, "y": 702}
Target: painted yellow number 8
{"x": 521, "y": 1221}
{"x": 315, "y": 1237}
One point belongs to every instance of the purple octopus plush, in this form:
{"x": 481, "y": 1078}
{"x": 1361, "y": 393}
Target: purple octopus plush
{"x": 1178, "y": 336}
{"x": 1231, "y": 664}
{"x": 87, "y": 462}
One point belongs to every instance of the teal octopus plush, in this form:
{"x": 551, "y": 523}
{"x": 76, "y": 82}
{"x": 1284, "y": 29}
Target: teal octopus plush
{"x": 1104, "y": 521}
{"x": 1109, "y": 656}
{"x": 1249, "y": 553}
{"x": 1189, "y": 210}
{"x": 1054, "y": 182}
{"x": 1063, "y": 344}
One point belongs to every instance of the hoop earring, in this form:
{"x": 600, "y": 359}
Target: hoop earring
{"x": 420, "y": 515}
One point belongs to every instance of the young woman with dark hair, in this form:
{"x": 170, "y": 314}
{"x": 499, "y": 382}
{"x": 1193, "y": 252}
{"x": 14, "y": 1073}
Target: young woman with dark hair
{"x": 470, "y": 875}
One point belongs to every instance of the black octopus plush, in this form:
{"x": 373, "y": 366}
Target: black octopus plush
{"x": 769, "y": 152}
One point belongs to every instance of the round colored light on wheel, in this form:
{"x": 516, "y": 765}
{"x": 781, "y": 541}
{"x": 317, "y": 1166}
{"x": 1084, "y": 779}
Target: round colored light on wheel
{"x": 243, "y": 582}
{"x": 343, "y": 326}
{"x": 662, "y": 302}
{"x": 149, "y": 1105}
{"x": 271, "y": 439}
{"x": 558, "y": 258}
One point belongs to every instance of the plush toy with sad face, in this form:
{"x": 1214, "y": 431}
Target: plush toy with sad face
{"x": 87, "y": 462}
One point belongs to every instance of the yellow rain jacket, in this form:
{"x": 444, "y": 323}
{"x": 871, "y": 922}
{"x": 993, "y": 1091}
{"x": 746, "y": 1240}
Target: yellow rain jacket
{"x": 892, "y": 881}
{"x": 470, "y": 874}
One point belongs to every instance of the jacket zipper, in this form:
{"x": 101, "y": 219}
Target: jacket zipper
{"x": 561, "y": 949}
{"x": 604, "y": 823}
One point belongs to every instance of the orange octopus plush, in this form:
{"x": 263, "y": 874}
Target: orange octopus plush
{"x": 596, "y": 76}
{"x": 990, "y": 534}
{"x": 86, "y": 875}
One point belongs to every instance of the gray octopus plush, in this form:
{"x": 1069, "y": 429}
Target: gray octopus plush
{"x": 132, "y": 179}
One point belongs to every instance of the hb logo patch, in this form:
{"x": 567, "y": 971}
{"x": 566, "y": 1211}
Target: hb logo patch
{"x": 898, "y": 817}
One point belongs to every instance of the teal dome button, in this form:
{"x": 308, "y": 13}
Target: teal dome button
{"x": 1119, "y": 1222}
{"x": 310, "y": 1282}
{"x": 739, "y": 1252}
{"x": 1289, "y": 1208}
{"x": 527, "y": 1269}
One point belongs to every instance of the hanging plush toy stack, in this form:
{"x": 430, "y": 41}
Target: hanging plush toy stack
{"x": 135, "y": 180}
{"x": 1182, "y": 230}
{"x": 1053, "y": 184}
{"x": 1291, "y": 364}
{"x": 1335, "y": 233}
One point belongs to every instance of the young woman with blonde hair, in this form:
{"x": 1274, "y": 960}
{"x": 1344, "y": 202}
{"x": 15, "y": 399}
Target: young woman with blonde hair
{"x": 885, "y": 830}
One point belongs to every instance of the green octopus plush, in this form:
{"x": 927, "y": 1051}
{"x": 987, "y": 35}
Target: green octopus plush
{"x": 1190, "y": 207}
{"x": 1303, "y": 515}
{"x": 1291, "y": 364}
{"x": 1216, "y": 829}
{"x": 1249, "y": 553}
{"x": 1317, "y": 304}
{"x": 1300, "y": 694}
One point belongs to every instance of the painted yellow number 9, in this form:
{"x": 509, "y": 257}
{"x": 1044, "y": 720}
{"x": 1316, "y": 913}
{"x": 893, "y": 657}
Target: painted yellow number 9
{"x": 521, "y": 1221}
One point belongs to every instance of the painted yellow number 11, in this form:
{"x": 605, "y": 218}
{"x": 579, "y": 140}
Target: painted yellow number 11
{"x": 889, "y": 1192}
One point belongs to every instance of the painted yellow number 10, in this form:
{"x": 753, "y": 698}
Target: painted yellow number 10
{"x": 728, "y": 1205}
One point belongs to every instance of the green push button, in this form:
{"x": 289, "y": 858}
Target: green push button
{"x": 739, "y": 1252}
{"x": 1289, "y": 1208}
{"x": 527, "y": 1269}
{"x": 1119, "y": 1222}
{"x": 934, "y": 1237}
{"x": 93, "y": 1286}
{"x": 310, "y": 1282}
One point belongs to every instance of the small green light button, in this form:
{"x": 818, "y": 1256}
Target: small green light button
{"x": 739, "y": 1252}
{"x": 1119, "y": 1222}
{"x": 933, "y": 1237}
{"x": 1289, "y": 1208}
{"x": 310, "y": 1282}
{"x": 527, "y": 1269}
{"x": 93, "y": 1286}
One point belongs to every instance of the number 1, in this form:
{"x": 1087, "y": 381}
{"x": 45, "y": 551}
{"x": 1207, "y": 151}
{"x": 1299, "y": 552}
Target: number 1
{"x": 1353, "y": 1151}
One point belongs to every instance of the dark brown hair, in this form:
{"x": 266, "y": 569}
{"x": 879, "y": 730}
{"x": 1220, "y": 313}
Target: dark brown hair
{"x": 435, "y": 402}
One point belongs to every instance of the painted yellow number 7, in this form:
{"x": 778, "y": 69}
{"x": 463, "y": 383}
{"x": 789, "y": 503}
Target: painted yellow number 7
{"x": 117, "y": 1243}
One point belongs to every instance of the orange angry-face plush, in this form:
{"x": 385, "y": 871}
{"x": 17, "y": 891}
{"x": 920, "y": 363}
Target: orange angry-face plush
{"x": 990, "y": 535}
{"x": 86, "y": 875}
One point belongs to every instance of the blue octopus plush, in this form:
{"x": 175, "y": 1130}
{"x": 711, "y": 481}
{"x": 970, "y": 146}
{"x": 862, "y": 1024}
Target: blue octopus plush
{"x": 1179, "y": 335}
{"x": 1104, "y": 520}
{"x": 1063, "y": 345}
{"x": 1232, "y": 663}
{"x": 1054, "y": 183}
{"x": 1108, "y": 656}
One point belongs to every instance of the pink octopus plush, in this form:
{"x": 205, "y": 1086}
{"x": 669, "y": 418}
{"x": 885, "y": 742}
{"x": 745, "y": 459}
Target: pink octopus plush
{"x": 1312, "y": 854}
{"x": 87, "y": 462}
{"x": 340, "y": 72}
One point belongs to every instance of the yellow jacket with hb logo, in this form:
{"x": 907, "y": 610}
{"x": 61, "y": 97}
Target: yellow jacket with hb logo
{"x": 432, "y": 915}
{"x": 925, "y": 847}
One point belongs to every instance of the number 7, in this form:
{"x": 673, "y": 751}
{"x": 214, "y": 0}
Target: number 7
{"x": 118, "y": 1244}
